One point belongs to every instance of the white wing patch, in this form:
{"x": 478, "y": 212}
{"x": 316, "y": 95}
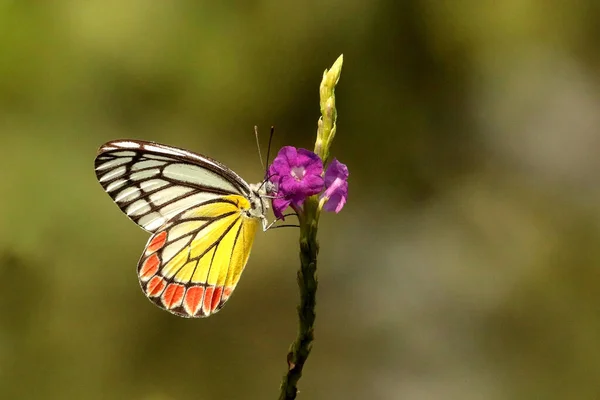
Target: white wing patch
{"x": 113, "y": 174}
{"x": 183, "y": 228}
{"x": 151, "y": 221}
{"x": 124, "y": 154}
{"x": 115, "y": 185}
{"x": 164, "y": 196}
{"x": 138, "y": 208}
{"x": 128, "y": 194}
{"x": 172, "y": 249}
{"x": 114, "y": 163}
{"x": 147, "y": 164}
{"x": 176, "y": 207}
{"x": 197, "y": 175}
{"x": 145, "y": 174}
{"x": 154, "y": 183}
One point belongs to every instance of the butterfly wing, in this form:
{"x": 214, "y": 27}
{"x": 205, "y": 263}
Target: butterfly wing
{"x": 151, "y": 182}
{"x": 191, "y": 265}
{"x": 194, "y": 206}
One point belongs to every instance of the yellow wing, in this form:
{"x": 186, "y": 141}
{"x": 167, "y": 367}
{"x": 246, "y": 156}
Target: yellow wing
{"x": 192, "y": 264}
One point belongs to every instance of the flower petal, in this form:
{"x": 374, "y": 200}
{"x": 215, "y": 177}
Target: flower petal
{"x": 309, "y": 185}
{"x": 336, "y": 183}
{"x": 281, "y": 163}
{"x": 289, "y": 186}
{"x": 297, "y": 174}
{"x": 313, "y": 184}
{"x": 306, "y": 158}
{"x": 289, "y": 155}
{"x": 279, "y": 205}
{"x": 336, "y": 202}
{"x": 335, "y": 169}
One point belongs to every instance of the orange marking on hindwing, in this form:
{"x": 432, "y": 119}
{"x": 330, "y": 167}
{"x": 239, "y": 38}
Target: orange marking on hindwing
{"x": 193, "y": 299}
{"x": 207, "y": 303}
{"x": 149, "y": 267}
{"x": 157, "y": 242}
{"x": 226, "y": 293}
{"x": 216, "y": 298}
{"x": 173, "y": 295}
{"x": 155, "y": 286}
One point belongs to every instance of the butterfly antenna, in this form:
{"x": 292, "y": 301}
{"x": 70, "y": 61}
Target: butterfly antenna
{"x": 258, "y": 147}
{"x": 269, "y": 146}
{"x": 264, "y": 182}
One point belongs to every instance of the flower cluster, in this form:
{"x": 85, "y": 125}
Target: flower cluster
{"x": 298, "y": 173}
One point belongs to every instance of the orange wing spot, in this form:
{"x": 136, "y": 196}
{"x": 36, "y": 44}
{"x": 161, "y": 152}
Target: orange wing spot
{"x": 207, "y": 303}
{"x": 216, "y": 298}
{"x": 149, "y": 267}
{"x": 173, "y": 295}
{"x": 226, "y": 293}
{"x": 193, "y": 299}
{"x": 155, "y": 286}
{"x": 157, "y": 242}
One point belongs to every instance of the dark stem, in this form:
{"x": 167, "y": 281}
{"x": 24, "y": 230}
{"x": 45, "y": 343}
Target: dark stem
{"x": 307, "y": 282}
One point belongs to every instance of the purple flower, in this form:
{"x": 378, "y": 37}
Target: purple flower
{"x": 336, "y": 184}
{"x": 296, "y": 174}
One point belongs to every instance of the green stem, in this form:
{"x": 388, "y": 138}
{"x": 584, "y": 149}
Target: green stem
{"x": 307, "y": 282}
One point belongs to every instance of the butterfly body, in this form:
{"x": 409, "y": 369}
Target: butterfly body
{"x": 203, "y": 218}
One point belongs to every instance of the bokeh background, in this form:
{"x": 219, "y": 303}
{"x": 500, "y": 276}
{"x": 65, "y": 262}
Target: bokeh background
{"x": 466, "y": 264}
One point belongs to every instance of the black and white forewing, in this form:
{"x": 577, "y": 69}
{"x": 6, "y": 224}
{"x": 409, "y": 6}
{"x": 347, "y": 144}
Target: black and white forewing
{"x": 152, "y": 183}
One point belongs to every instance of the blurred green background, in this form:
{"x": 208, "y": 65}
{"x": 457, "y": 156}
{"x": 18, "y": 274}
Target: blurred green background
{"x": 464, "y": 266}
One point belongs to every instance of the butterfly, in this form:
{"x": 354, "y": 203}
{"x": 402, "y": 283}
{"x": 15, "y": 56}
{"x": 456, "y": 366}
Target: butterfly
{"x": 203, "y": 218}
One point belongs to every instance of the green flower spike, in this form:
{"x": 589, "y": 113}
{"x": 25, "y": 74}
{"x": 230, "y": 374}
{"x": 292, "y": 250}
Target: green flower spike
{"x": 326, "y": 126}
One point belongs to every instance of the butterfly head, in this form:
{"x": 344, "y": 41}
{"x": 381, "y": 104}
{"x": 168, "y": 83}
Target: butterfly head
{"x": 259, "y": 200}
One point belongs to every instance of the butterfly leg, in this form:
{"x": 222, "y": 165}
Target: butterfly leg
{"x": 267, "y": 225}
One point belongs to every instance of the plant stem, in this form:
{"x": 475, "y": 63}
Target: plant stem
{"x": 307, "y": 283}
